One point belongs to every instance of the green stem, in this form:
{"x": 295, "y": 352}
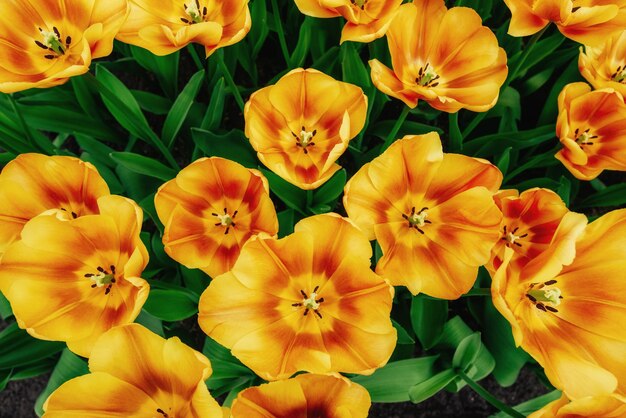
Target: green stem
{"x": 483, "y": 393}
{"x": 394, "y": 131}
{"x": 194, "y": 55}
{"x": 230, "y": 81}
{"x": 512, "y": 76}
{"x": 281, "y": 33}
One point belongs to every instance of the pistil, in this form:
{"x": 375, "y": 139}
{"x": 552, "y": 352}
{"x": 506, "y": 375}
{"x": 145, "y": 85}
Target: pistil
{"x": 620, "y": 74}
{"x": 103, "y": 278}
{"x": 226, "y": 220}
{"x": 545, "y": 296}
{"x": 310, "y": 302}
{"x": 305, "y": 139}
{"x": 417, "y": 219}
{"x": 427, "y": 76}
{"x": 193, "y": 11}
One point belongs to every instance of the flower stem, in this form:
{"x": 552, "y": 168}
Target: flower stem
{"x": 230, "y": 81}
{"x": 484, "y": 393}
{"x": 394, "y": 131}
{"x": 194, "y": 55}
{"x": 281, "y": 33}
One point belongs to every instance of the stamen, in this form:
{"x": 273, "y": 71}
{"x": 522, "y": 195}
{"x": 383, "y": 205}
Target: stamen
{"x": 511, "y": 238}
{"x": 103, "y": 278}
{"x": 620, "y": 74}
{"x": 417, "y": 220}
{"x": 193, "y": 11}
{"x": 545, "y": 297}
{"x": 427, "y": 77}
{"x": 305, "y": 139}
{"x": 310, "y": 302}
{"x": 584, "y": 138}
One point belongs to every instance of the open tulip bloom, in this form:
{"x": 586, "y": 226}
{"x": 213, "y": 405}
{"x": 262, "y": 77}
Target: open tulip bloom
{"x": 137, "y": 374}
{"x": 605, "y": 406}
{"x": 46, "y": 42}
{"x": 72, "y": 280}
{"x": 605, "y": 66}
{"x": 306, "y": 302}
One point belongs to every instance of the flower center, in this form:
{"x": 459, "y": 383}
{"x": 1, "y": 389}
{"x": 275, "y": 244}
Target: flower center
{"x": 164, "y": 414}
{"x": 310, "y": 302}
{"x": 305, "y": 139}
{"x": 545, "y": 296}
{"x": 511, "y": 238}
{"x": 620, "y": 74}
{"x": 226, "y": 220}
{"x": 583, "y": 138}
{"x": 52, "y": 43}
{"x": 427, "y": 77}
{"x": 359, "y": 3}
{"x": 103, "y": 278}
{"x": 417, "y": 219}
{"x": 193, "y": 11}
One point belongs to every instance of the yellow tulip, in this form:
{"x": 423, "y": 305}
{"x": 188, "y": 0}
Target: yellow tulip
{"x": 608, "y": 406}
{"x": 445, "y": 57}
{"x": 605, "y": 66}
{"x": 432, "y": 213}
{"x": 45, "y": 42}
{"x": 306, "y": 302}
{"x": 136, "y": 374}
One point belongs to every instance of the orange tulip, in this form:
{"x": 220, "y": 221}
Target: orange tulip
{"x": 613, "y": 406}
{"x": 367, "y": 19}
{"x": 47, "y": 41}
{"x": 592, "y": 129}
{"x": 210, "y": 210}
{"x": 72, "y": 280}
{"x": 306, "y": 302}
{"x": 165, "y": 26}
{"x": 136, "y": 374}
{"x": 570, "y": 318}
{"x": 306, "y": 395}
{"x": 587, "y": 22}
{"x": 33, "y": 184}
{"x": 445, "y": 57}
{"x": 605, "y": 66}
{"x": 529, "y": 224}
{"x": 301, "y": 125}
{"x": 432, "y": 213}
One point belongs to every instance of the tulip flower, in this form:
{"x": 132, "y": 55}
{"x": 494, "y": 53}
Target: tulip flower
{"x": 72, "y": 280}
{"x": 528, "y": 226}
{"x": 432, "y": 213}
{"x": 608, "y": 406}
{"x": 47, "y": 41}
{"x": 306, "y": 302}
{"x": 589, "y": 23}
{"x": 592, "y": 129}
{"x": 33, "y": 184}
{"x": 445, "y": 57}
{"x": 136, "y": 374}
{"x": 367, "y": 20}
{"x": 306, "y": 395}
{"x": 566, "y": 307}
{"x": 300, "y": 126}
{"x": 605, "y": 66}
{"x": 210, "y": 210}
{"x": 165, "y": 26}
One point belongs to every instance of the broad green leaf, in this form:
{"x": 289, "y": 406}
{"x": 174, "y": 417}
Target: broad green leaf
{"x": 428, "y": 317}
{"x": 528, "y": 407}
{"x": 85, "y": 96}
{"x": 286, "y": 221}
{"x": 495, "y": 144}
{"x": 332, "y": 189}
{"x": 97, "y": 149}
{"x": 195, "y": 279}
{"x": 614, "y": 195}
{"x": 403, "y": 335}
{"x": 228, "y": 372}
{"x": 260, "y": 30}
{"x": 144, "y": 165}
{"x": 291, "y": 195}
{"x": 303, "y": 46}
{"x": 165, "y": 68}
{"x": 5, "y": 376}
{"x": 503, "y": 162}
{"x": 233, "y": 146}
{"x": 68, "y": 367}
{"x": 565, "y": 189}
{"x": 467, "y": 351}
{"x": 151, "y": 322}
{"x": 152, "y": 103}
{"x": 392, "y": 382}
{"x": 381, "y": 129}
{"x": 5, "y": 307}
{"x": 18, "y": 348}
{"x": 178, "y": 113}
{"x": 456, "y": 137}
{"x": 171, "y": 305}
{"x": 428, "y": 388}
{"x": 215, "y": 110}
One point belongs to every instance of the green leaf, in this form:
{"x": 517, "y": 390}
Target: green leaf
{"x": 456, "y": 137}
{"x": 152, "y": 103}
{"x": 565, "y": 189}
{"x": 5, "y": 376}
{"x": 431, "y": 386}
{"x": 614, "y": 195}
{"x": 97, "y": 149}
{"x": 381, "y": 129}
{"x": 291, "y": 195}
{"x": 353, "y": 69}
{"x": 332, "y": 189}
{"x": 5, "y": 307}
{"x": 178, "y": 113}
{"x": 85, "y": 97}
{"x": 233, "y": 146}
{"x": 195, "y": 279}
{"x": 403, "y": 335}
{"x": 467, "y": 351}
{"x": 286, "y": 221}
{"x": 303, "y": 46}
{"x": 151, "y": 322}
{"x": 503, "y": 162}
{"x": 215, "y": 110}
{"x": 171, "y": 305}
{"x": 68, "y": 367}
{"x": 164, "y": 67}
{"x": 392, "y": 382}
{"x": 143, "y": 165}
{"x": 428, "y": 317}
{"x": 18, "y": 348}
{"x": 528, "y": 407}
{"x": 494, "y": 144}
{"x": 228, "y": 372}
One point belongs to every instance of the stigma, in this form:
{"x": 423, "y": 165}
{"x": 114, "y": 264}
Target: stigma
{"x": 417, "y": 219}
{"x": 310, "y": 302}
{"x": 359, "y": 3}
{"x": 103, "y": 278}
{"x": 226, "y": 220}
{"x": 53, "y": 42}
{"x": 545, "y": 296}
{"x": 510, "y": 237}
{"x": 305, "y": 139}
{"x": 193, "y": 11}
{"x": 427, "y": 77}
{"x": 619, "y": 75}
{"x": 584, "y": 138}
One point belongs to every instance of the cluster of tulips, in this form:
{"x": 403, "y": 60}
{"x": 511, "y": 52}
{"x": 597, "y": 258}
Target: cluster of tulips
{"x": 72, "y": 256}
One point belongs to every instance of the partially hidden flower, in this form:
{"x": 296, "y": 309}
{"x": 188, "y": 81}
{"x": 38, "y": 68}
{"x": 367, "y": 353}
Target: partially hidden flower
{"x": 367, "y": 20}
{"x": 445, "y": 57}
{"x": 210, "y": 210}
{"x": 165, "y": 26}
{"x": 529, "y": 222}
{"x": 301, "y": 125}
{"x": 605, "y": 66}
{"x": 46, "y": 42}
{"x": 136, "y": 374}
{"x": 72, "y": 280}
{"x": 306, "y": 302}
{"x": 606, "y": 406}
{"x": 306, "y": 395}
{"x": 567, "y": 306}
{"x": 33, "y": 184}
{"x": 592, "y": 129}
{"x": 432, "y": 214}
{"x": 587, "y": 22}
